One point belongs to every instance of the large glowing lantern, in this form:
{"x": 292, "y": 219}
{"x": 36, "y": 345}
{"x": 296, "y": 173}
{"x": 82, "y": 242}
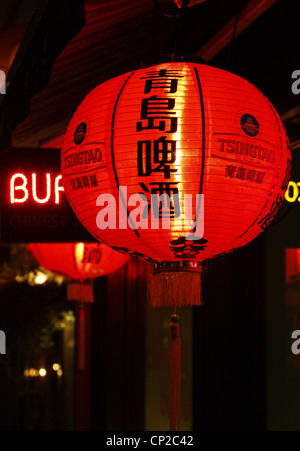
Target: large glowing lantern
{"x": 77, "y": 261}
{"x": 175, "y": 164}
{"x": 179, "y": 142}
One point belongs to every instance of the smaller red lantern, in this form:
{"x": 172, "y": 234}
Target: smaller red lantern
{"x": 78, "y": 261}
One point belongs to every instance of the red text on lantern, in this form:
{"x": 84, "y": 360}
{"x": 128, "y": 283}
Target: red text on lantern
{"x": 246, "y": 149}
{"x": 85, "y": 157}
{"x": 92, "y": 255}
{"x": 38, "y": 187}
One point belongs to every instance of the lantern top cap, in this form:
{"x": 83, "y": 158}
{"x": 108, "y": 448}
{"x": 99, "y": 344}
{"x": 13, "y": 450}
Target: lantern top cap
{"x": 152, "y": 60}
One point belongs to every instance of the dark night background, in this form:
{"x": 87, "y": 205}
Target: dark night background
{"x": 244, "y": 374}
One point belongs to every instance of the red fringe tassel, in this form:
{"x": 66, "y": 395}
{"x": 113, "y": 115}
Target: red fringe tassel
{"x": 177, "y": 288}
{"x": 175, "y": 377}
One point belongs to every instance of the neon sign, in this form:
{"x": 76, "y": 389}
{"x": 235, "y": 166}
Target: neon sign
{"x": 19, "y": 183}
{"x": 33, "y": 204}
{"x": 292, "y": 192}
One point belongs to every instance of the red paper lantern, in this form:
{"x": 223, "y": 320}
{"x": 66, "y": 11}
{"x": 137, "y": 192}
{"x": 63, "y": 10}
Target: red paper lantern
{"x": 179, "y": 142}
{"x": 80, "y": 263}
{"x": 176, "y": 130}
{"x": 77, "y": 261}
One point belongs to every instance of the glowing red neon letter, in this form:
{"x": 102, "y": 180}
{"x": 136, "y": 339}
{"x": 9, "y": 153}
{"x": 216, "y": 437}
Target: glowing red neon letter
{"x": 41, "y": 201}
{"x": 57, "y": 188}
{"x": 14, "y": 188}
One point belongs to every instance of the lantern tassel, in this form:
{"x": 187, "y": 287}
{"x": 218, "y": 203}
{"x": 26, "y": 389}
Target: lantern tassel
{"x": 175, "y": 374}
{"x": 175, "y": 287}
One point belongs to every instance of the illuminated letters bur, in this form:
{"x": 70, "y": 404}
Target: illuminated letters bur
{"x": 20, "y": 191}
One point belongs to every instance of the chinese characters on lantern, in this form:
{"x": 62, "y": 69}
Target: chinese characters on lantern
{"x": 91, "y": 255}
{"x": 169, "y": 131}
{"x": 242, "y": 173}
{"x": 159, "y": 197}
{"x": 159, "y": 155}
{"x": 91, "y": 156}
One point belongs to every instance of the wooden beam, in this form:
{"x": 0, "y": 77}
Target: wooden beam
{"x": 53, "y": 25}
{"x": 252, "y": 11}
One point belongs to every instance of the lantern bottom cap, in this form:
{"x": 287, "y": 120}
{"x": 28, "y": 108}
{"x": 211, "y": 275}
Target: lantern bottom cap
{"x": 179, "y": 266}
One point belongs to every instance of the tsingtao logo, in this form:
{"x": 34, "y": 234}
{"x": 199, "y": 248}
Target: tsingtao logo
{"x": 249, "y": 125}
{"x": 80, "y": 133}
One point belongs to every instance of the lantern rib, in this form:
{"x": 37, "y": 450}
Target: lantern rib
{"x": 203, "y": 130}
{"x": 113, "y": 156}
{"x": 203, "y": 141}
{"x": 277, "y": 175}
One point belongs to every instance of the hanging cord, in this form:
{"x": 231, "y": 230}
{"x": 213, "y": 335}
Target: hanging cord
{"x": 231, "y": 45}
{"x": 178, "y": 16}
{"x": 158, "y": 10}
{"x": 175, "y": 373}
{"x": 178, "y": 35}
{"x": 158, "y": 7}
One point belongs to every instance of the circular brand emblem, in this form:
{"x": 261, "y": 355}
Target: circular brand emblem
{"x": 80, "y": 133}
{"x": 249, "y": 125}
